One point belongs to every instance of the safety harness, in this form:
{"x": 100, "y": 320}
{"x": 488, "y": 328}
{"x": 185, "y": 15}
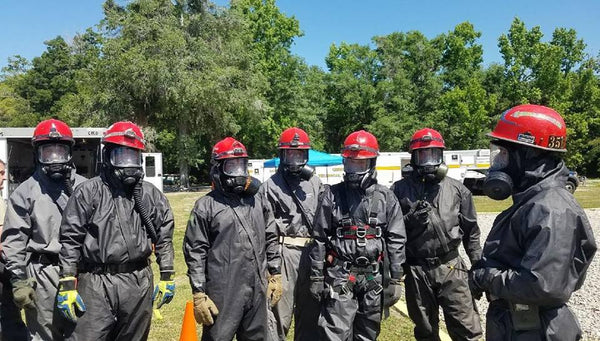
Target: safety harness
{"x": 348, "y": 230}
{"x": 361, "y": 266}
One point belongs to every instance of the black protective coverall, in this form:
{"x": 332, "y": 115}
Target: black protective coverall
{"x": 291, "y": 222}
{"x": 435, "y": 273}
{"x": 225, "y": 248}
{"x": 356, "y": 228}
{"x": 536, "y": 256}
{"x": 105, "y": 244}
{"x": 30, "y": 241}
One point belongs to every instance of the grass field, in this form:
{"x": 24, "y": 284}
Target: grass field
{"x": 394, "y": 328}
{"x": 588, "y": 196}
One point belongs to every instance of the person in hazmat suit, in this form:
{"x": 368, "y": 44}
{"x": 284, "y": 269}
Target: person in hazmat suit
{"x": 440, "y": 216}
{"x": 12, "y": 326}
{"x": 293, "y": 192}
{"x": 30, "y": 238}
{"x": 358, "y": 224}
{"x": 539, "y": 249}
{"x": 110, "y": 227}
{"x": 226, "y": 246}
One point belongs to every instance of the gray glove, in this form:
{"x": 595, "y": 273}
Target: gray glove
{"x": 24, "y": 293}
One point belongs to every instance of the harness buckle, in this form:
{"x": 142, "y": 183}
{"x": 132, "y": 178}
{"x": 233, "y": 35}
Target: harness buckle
{"x": 345, "y": 289}
{"x": 361, "y": 232}
{"x": 373, "y": 221}
{"x": 378, "y": 289}
{"x": 361, "y": 241}
{"x": 362, "y": 261}
{"x": 346, "y": 222}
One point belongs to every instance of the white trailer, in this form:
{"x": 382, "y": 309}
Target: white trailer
{"x": 328, "y": 175}
{"x": 16, "y": 150}
{"x": 463, "y": 165}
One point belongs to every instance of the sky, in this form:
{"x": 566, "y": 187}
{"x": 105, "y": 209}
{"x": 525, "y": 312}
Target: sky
{"x": 25, "y": 25}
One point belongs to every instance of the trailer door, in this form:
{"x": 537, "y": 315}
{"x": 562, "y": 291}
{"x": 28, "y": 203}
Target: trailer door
{"x": 152, "y": 163}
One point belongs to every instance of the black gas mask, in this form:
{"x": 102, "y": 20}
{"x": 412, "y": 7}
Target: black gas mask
{"x": 505, "y": 165}
{"x": 359, "y": 173}
{"x": 294, "y": 163}
{"x": 232, "y": 176}
{"x": 55, "y": 160}
{"x": 429, "y": 163}
{"x": 125, "y": 163}
{"x": 514, "y": 167}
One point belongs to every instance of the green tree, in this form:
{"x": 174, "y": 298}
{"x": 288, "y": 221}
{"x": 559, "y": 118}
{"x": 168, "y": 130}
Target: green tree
{"x": 350, "y": 92}
{"x": 408, "y": 89}
{"x": 50, "y": 77}
{"x": 16, "y": 66}
{"x": 464, "y": 117}
{"x": 14, "y": 110}
{"x": 520, "y": 49}
{"x": 183, "y": 67}
{"x": 462, "y": 55}
{"x": 289, "y": 98}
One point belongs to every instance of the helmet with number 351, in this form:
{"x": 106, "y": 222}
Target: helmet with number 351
{"x": 532, "y": 125}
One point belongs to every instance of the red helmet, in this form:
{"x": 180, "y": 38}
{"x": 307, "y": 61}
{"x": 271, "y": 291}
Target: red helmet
{"x": 360, "y": 145}
{"x": 426, "y": 138}
{"x": 294, "y": 138}
{"x": 228, "y": 148}
{"x": 52, "y": 130}
{"x": 126, "y": 134}
{"x": 534, "y": 126}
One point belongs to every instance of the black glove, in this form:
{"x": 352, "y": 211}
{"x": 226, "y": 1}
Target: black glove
{"x": 317, "y": 287}
{"x": 392, "y": 293}
{"x": 475, "y": 282}
{"x": 418, "y": 215}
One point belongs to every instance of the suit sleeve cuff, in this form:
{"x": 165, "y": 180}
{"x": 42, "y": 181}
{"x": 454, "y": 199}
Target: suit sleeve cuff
{"x": 68, "y": 270}
{"x": 397, "y": 275}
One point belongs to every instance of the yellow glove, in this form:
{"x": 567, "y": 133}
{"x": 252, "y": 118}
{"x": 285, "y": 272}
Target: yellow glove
{"x": 204, "y": 309}
{"x": 274, "y": 289}
{"x": 164, "y": 290}
{"x": 68, "y": 298}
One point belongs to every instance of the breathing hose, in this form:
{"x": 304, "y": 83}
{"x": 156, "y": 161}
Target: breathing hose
{"x": 143, "y": 212}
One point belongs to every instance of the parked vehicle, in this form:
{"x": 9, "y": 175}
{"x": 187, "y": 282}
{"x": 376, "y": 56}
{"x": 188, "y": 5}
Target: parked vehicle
{"x": 572, "y": 182}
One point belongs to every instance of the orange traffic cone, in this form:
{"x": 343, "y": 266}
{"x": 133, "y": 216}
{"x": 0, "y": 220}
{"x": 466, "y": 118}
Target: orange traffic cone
{"x": 188, "y": 327}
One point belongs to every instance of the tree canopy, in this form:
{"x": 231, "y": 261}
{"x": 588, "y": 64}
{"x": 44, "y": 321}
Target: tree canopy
{"x": 191, "y": 72}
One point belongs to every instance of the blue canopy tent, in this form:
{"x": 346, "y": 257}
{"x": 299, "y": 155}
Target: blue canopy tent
{"x": 315, "y": 159}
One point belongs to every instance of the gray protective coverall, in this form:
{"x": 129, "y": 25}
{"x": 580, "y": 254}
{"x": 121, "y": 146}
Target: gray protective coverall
{"x": 355, "y": 227}
{"x": 536, "y": 255}
{"x": 291, "y": 221}
{"x": 225, "y": 248}
{"x": 435, "y": 273}
{"x": 105, "y": 244}
{"x": 30, "y": 242}
{"x": 11, "y": 323}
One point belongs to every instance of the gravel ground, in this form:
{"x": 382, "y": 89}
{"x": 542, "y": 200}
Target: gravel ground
{"x": 586, "y": 301}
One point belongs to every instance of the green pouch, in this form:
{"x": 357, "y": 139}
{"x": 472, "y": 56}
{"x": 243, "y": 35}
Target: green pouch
{"x": 525, "y": 316}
